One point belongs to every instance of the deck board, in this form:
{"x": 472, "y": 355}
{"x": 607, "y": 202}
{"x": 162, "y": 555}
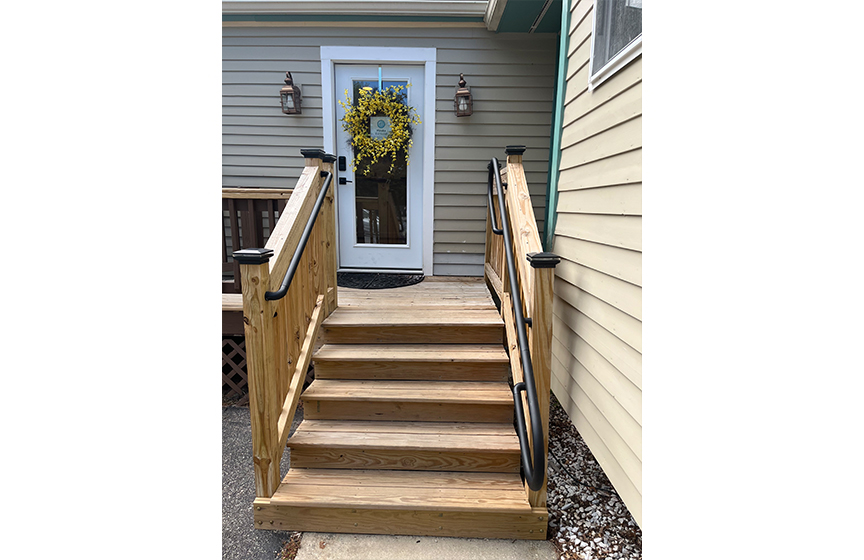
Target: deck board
{"x": 433, "y": 292}
{"x": 409, "y": 391}
{"x": 232, "y": 302}
{"x": 403, "y": 436}
{"x": 404, "y": 479}
{"x": 477, "y": 428}
{"x": 380, "y": 492}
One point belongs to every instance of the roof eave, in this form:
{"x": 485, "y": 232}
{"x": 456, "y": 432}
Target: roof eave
{"x": 494, "y": 11}
{"x": 476, "y": 8}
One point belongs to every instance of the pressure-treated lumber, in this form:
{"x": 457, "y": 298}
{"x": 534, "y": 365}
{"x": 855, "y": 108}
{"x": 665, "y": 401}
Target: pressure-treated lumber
{"x": 454, "y": 504}
{"x": 410, "y": 442}
{"x": 300, "y": 490}
{"x": 408, "y": 391}
{"x": 328, "y": 240}
{"x": 441, "y": 326}
{"x": 535, "y": 288}
{"x": 479, "y": 408}
{"x": 293, "y": 397}
{"x": 404, "y": 479}
{"x": 358, "y": 458}
{"x": 523, "y": 227}
{"x": 232, "y": 302}
{"x": 453, "y": 362}
{"x": 263, "y": 384}
{"x": 408, "y": 400}
{"x": 286, "y": 235}
{"x": 444, "y": 428}
{"x": 416, "y": 411}
{"x": 540, "y": 345}
{"x": 441, "y": 523}
{"x": 494, "y": 280}
{"x": 402, "y": 436}
{"x": 255, "y": 193}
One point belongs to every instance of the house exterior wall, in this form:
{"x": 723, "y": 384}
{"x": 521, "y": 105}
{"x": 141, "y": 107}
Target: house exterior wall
{"x": 511, "y": 77}
{"x": 597, "y": 308}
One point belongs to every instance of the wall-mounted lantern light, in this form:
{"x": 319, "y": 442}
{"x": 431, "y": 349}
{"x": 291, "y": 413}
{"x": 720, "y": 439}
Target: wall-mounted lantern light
{"x": 290, "y": 95}
{"x": 463, "y": 103}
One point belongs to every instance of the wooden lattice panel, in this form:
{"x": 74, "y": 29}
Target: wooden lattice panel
{"x": 234, "y": 376}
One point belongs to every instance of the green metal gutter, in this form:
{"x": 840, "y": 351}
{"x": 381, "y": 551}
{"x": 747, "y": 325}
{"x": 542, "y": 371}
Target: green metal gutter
{"x": 557, "y": 120}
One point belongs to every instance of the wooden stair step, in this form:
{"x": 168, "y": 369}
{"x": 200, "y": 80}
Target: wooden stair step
{"x": 409, "y": 391}
{"x": 451, "y": 362}
{"x": 404, "y": 325}
{"x": 421, "y": 446}
{"x": 430, "y": 300}
{"x": 491, "y": 505}
{"x": 476, "y": 428}
{"x": 386, "y": 490}
{"x": 444, "y": 401}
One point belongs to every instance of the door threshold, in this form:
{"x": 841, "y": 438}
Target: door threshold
{"x": 383, "y": 270}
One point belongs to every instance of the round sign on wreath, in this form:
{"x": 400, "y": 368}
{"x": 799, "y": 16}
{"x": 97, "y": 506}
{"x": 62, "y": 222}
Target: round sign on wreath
{"x": 379, "y": 124}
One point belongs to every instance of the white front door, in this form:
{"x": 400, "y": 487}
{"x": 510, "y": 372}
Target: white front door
{"x": 380, "y": 212}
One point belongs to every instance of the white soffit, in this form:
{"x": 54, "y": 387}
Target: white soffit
{"x": 494, "y": 11}
{"x": 476, "y": 8}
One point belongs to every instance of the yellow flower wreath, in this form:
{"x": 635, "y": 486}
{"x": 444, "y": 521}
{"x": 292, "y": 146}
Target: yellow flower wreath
{"x": 356, "y": 122}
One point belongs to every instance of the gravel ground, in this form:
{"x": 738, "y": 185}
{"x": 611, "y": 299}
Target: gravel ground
{"x": 587, "y": 518}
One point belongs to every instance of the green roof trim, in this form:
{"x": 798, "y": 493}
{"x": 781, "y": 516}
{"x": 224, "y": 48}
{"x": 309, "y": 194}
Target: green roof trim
{"x": 264, "y": 18}
{"x": 519, "y": 16}
{"x": 557, "y": 121}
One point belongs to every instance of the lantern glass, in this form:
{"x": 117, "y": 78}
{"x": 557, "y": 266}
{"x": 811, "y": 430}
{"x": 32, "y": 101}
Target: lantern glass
{"x": 464, "y": 105}
{"x": 290, "y": 96}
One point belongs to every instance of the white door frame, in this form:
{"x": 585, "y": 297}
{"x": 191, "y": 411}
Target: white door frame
{"x": 330, "y": 56}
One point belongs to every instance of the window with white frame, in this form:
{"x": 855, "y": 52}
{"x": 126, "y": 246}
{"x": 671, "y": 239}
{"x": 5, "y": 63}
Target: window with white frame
{"x": 616, "y": 38}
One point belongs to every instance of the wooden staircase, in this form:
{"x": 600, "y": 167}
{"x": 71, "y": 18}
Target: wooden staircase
{"x": 409, "y": 425}
{"x": 408, "y": 428}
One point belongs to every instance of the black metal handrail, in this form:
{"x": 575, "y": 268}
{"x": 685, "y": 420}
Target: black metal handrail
{"x": 298, "y": 253}
{"x": 535, "y": 470}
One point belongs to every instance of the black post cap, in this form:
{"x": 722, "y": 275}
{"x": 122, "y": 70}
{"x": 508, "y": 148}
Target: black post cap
{"x": 312, "y": 153}
{"x": 252, "y": 256}
{"x": 328, "y": 158}
{"x": 543, "y": 260}
{"x": 514, "y": 150}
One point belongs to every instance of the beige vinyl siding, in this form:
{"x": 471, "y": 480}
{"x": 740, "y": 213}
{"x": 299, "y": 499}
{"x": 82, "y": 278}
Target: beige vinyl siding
{"x": 597, "y": 308}
{"x": 511, "y": 77}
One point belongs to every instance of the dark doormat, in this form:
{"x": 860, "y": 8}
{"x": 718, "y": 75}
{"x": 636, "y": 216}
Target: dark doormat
{"x": 376, "y": 281}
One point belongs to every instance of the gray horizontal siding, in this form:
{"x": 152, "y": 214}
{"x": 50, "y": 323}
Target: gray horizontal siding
{"x": 511, "y": 78}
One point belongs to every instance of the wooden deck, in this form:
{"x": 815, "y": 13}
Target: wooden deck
{"x": 408, "y": 426}
{"x": 434, "y": 292}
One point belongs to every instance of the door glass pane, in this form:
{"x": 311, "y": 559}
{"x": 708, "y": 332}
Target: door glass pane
{"x": 380, "y": 201}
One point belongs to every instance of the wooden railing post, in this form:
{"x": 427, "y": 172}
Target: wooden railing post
{"x": 328, "y": 227}
{"x": 281, "y": 332}
{"x": 540, "y": 345}
{"x": 264, "y": 403}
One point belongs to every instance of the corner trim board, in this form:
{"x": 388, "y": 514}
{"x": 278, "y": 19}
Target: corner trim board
{"x": 557, "y": 122}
